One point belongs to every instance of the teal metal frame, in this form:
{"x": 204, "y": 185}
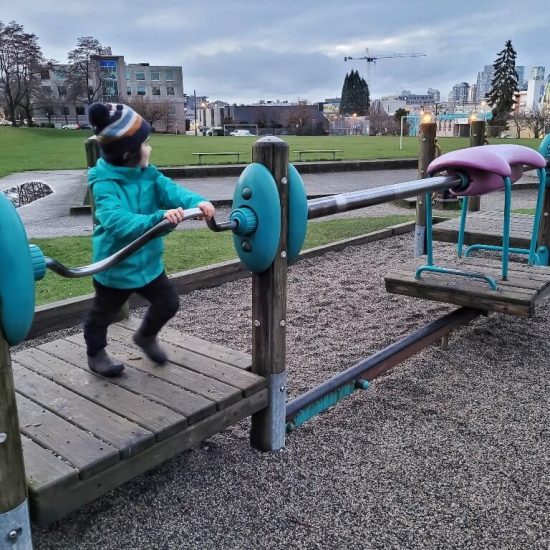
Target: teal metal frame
{"x": 430, "y": 267}
{"x": 535, "y": 256}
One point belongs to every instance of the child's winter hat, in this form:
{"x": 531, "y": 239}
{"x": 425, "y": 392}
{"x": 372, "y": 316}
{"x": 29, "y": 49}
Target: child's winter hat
{"x": 119, "y": 129}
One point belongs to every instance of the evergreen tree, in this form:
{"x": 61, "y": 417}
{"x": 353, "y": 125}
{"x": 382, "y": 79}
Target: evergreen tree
{"x": 344, "y": 97}
{"x": 503, "y": 85}
{"x": 355, "y": 95}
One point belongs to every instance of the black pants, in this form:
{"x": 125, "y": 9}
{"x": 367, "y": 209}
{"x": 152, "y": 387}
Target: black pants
{"x": 107, "y": 301}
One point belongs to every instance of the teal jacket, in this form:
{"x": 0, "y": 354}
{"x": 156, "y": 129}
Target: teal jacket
{"x": 128, "y": 202}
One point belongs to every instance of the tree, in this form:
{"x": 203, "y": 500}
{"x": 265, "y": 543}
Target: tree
{"x": 538, "y": 119}
{"x": 152, "y": 110}
{"x": 20, "y": 62}
{"x": 355, "y": 95}
{"x": 82, "y": 75}
{"x": 503, "y": 86}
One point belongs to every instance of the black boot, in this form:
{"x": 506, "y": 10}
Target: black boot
{"x": 101, "y": 363}
{"x": 150, "y": 347}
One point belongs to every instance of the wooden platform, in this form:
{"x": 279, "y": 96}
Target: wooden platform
{"x": 517, "y": 296}
{"x": 485, "y": 227}
{"x": 84, "y": 435}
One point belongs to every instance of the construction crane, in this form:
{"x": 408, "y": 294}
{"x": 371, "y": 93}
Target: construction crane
{"x": 370, "y": 59}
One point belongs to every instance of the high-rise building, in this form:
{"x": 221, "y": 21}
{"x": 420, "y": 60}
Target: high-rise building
{"x": 484, "y": 82}
{"x": 520, "y": 70}
{"x": 537, "y": 73}
{"x": 459, "y": 93}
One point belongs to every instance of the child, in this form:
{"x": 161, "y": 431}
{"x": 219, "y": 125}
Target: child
{"x": 130, "y": 196}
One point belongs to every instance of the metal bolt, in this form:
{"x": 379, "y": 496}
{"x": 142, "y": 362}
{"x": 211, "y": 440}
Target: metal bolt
{"x": 545, "y": 214}
{"x": 282, "y": 389}
{"x": 283, "y": 254}
{"x": 246, "y": 193}
{"x": 283, "y": 323}
{"x": 246, "y": 246}
{"x": 12, "y": 535}
{"x": 284, "y": 181}
{"x": 3, "y": 437}
{"x": 256, "y": 323}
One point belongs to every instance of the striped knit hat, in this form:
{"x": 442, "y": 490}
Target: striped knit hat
{"x": 119, "y": 129}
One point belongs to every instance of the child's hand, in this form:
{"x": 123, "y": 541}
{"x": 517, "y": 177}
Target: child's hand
{"x": 175, "y": 215}
{"x": 207, "y": 209}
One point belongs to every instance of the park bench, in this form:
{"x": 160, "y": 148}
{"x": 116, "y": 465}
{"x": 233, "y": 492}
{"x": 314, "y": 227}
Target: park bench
{"x": 318, "y": 152}
{"x": 226, "y": 153}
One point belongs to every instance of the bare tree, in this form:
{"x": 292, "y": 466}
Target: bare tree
{"x": 82, "y": 75}
{"x": 152, "y": 110}
{"x": 538, "y": 119}
{"x": 20, "y": 60}
{"x": 519, "y": 121}
{"x": 299, "y": 118}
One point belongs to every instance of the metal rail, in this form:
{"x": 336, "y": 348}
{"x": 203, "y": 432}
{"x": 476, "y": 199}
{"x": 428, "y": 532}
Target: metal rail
{"x": 335, "y": 204}
{"x": 312, "y": 402}
{"x": 160, "y": 229}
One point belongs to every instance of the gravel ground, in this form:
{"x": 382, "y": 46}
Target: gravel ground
{"x": 448, "y": 450}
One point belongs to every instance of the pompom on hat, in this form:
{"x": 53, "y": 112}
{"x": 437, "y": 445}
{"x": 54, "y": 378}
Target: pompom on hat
{"x": 119, "y": 129}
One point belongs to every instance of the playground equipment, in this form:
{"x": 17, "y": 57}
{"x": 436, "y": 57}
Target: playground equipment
{"x": 282, "y": 229}
{"x": 487, "y": 169}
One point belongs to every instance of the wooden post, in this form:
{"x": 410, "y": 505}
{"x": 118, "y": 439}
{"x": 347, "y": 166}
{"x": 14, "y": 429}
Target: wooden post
{"x": 269, "y": 291}
{"x": 15, "y": 531}
{"x": 92, "y": 155}
{"x": 427, "y": 154}
{"x": 477, "y": 138}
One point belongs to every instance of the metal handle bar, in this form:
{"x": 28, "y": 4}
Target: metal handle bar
{"x": 123, "y": 253}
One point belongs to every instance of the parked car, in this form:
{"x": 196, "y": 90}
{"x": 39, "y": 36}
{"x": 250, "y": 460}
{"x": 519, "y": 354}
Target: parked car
{"x": 215, "y": 131}
{"x": 240, "y": 133}
{"x": 84, "y": 127}
{"x": 4, "y": 122}
{"x": 69, "y": 127}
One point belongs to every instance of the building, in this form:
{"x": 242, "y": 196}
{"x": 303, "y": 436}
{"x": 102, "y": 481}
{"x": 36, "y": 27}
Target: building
{"x": 483, "y": 83}
{"x": 537, "y": 73}
{"x": 459, "y": 93}
{"x": 270, "y": 116}
{"x": 520, "y": 70}
{"x": 409, "y": 101}
{"x": 156, "y": 91}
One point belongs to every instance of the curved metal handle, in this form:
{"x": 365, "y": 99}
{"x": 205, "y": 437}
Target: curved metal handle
{"x": 123, "y": 253}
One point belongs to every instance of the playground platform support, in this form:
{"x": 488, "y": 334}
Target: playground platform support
{"x": 84, "y": 435}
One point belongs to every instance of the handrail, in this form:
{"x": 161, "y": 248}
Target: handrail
{"x": 161, "y": 228}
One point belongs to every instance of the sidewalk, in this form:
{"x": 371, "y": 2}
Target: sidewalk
{"x": 49, "y": 216}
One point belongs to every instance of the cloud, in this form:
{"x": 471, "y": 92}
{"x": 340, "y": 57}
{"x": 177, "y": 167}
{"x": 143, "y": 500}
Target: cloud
{"x": 243, "y": 50}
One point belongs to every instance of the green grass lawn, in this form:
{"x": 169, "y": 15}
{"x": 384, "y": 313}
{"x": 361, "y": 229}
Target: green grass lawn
{"x": 185, "y": 250}
{"x": 24, "y": 149}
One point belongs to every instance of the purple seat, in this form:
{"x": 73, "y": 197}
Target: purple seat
{"x": 487, "y": 166}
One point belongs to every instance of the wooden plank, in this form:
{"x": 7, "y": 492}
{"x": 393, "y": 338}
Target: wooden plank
{"x": 126, "y": 436}
{"x": 463, "y": 284}
{"x": 245, "y": 381}
{"x": 197, "y": 345}
{"x": 190, "y": 405}
{"x": 75, "y": 446}
{"x": 45, "y": 470}
{"x": 69, "y": 499}
{"x": 420, "y": 289}
{"x": 156, "y": 418}
{"x": 221, "y": 394}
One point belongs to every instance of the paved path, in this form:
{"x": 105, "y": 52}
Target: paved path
{"x": 49, "y": 216}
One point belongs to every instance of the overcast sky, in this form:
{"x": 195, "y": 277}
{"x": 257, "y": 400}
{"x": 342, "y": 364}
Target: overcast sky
{"x": 244, "y": 51}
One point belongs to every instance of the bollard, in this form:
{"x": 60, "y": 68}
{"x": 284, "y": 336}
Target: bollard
{"x": 477, "y": 138}
{"x": 269, "y": 291}
{"x": 427, "y": 154}
{"x": 15, "y": 530}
